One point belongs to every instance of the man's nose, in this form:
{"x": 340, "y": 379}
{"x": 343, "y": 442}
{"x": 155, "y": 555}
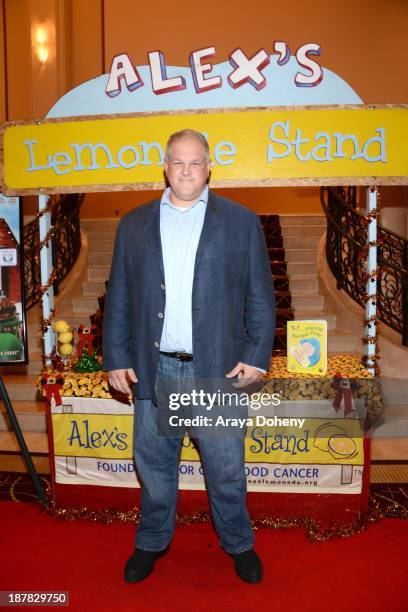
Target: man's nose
{"x": 186, "y": 169}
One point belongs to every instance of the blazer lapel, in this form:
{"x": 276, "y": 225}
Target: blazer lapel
{"x": 210, "y": 225}
{"x": 152, "y": 234}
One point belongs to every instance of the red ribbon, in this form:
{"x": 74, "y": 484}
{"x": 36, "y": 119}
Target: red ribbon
{"x": 52, "y": 390}
{"x": 345, "y": 394}
{"x": 85, "y": 339}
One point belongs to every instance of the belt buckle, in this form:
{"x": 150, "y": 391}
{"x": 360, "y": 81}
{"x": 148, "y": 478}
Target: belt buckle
{"x": 182, "y": 356}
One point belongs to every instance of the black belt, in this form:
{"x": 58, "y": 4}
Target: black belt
{"x": 178, "y": 356}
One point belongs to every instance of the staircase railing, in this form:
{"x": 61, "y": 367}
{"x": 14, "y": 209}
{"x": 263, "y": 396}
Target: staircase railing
{"x": 346, "y": 256}
{"x": 65, "y": 246}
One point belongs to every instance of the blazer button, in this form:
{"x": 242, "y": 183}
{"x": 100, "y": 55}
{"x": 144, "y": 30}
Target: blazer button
{"x": 162, "y": 287}
{"x": 156, "y": 344}
{"x": 160, "y": 315}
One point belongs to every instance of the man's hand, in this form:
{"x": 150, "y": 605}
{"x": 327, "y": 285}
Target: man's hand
{"x": 246, "y": 374}
{"x": 119, "y": 380}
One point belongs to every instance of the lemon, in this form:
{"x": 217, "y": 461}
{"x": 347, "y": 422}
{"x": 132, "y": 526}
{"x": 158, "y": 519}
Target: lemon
{"x": 61, "y": 326}
{"x": 66, "y": 349}
{"x": 65, "y": 337}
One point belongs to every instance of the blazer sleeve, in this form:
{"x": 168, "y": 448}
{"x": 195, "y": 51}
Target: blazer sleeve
{"x": 259, "y": 302}
{"x": 116, "y": 317}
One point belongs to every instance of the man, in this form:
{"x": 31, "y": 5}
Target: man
{"x": 190, "y": 297}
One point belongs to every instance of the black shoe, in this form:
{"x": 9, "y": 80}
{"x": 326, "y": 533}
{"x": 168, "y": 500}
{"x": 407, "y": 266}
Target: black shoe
{"x": 141, "y": 564}
{"x": 248, "y": 566}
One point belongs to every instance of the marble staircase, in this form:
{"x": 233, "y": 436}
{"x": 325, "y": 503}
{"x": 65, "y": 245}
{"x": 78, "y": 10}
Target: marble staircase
{"x": 295, "y": 275}
{"x": 301, "y": 237}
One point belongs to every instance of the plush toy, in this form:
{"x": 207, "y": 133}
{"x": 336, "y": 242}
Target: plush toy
{"x": 52, "y": 385}
{"x": 86, "y": 338}
{"x": 87, "y": 358}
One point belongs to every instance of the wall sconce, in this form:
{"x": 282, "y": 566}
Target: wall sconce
{"x": 40, "y": 44}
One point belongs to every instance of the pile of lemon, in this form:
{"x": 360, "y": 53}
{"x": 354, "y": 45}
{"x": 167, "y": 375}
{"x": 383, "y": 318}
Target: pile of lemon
{"x": 65, "y": 337}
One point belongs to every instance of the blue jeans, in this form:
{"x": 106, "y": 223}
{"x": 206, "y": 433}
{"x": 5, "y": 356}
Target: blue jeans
{"x": 157, "y": 463}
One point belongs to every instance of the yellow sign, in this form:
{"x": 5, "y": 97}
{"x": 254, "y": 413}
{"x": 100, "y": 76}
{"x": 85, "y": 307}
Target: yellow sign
{"x": 317, "y": 442}
{"x": 272, "y": 146}
{"x": 105, "y": 436}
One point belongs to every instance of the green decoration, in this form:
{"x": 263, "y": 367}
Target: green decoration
{"x": 87, "y": 363}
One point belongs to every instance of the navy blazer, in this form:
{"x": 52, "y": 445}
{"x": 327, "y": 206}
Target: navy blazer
{"x": 233, "y": 302}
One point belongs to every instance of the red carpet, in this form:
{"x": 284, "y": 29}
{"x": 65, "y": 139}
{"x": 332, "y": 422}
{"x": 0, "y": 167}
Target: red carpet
{"x": 365, "y": 572}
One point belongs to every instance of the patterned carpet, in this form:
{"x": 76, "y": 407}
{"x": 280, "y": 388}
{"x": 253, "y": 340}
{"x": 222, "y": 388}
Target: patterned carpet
{"x": 391, "y": 498}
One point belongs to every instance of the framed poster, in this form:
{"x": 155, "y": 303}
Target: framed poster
{"x": 13, "y": 336}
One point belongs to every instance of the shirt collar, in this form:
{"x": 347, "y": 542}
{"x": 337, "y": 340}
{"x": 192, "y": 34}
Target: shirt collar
{"x": 165, "y": 200}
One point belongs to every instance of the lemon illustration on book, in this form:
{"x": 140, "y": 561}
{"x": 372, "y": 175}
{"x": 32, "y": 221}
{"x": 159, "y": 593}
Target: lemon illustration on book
{"x": 342, "y": 447}
{"x": 325, "y": 433}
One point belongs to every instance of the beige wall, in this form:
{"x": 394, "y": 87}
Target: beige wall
{"x": 364, "y": 41}
{"x": 3, "y": 106}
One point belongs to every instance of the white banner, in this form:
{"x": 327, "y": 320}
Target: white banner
{"x": 93, "y": 446}
{"x": 262, "y": 477}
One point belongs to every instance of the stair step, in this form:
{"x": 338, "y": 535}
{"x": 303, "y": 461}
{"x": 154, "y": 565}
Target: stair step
{"x": 100, "y": 259}
{"x": 21, "y": 387}
{"x": 101, "y": 247}
{"x": 86, "y": 305}
{"x": 307, "y": 302}
{"x": 292, "y": 231}
{"x": 342, "y": 342}
{"x": 279, "y": 268}
{"x": 283, "y": 299}
{"x": 389, "y": 449}
{"x": 280, "y": 340}
{"x": 304, "y": 284}
{"x": 274, "y": 241}
{"x": 93, "y": 288}
{"x": 282, "y": 316}
{"x": 36, "y": 442}
{"x": 299, "y": 268}
{"x": 99, "y": 224}
{"x": 16, "y": 463}
{"x": 395, "y": 391}
{"x": 272, "y": 231}
{"x": 302, "y": 315}
{"x": 30, "y": 415}
{"x": 269, "y": 219}
{"x": 281, "y": 283}
{"x": 276, "y": 254}
{"x": 100, "y": 234}
{"x": 100, "y": 273}
{"x": 298, "y": 242}
{"x": 302, "y": 220}
{"x": 301, "y": 255}
{"x": 33, "y": 368}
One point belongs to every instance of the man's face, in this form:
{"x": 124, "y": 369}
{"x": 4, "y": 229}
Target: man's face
{"x": 187, "y": 170}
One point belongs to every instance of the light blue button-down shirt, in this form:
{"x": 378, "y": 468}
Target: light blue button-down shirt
{"x": 180, "y": 230}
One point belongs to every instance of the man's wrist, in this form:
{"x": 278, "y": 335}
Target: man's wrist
{"x": 256, "y": 367}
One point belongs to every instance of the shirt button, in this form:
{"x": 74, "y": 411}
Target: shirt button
{"x": 162, "y": 287}
{"x": 160, "y": 315}
{"x": 156, "y": 344}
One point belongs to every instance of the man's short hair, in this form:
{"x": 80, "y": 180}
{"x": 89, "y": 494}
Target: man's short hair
{"x": 187, "y": 133}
